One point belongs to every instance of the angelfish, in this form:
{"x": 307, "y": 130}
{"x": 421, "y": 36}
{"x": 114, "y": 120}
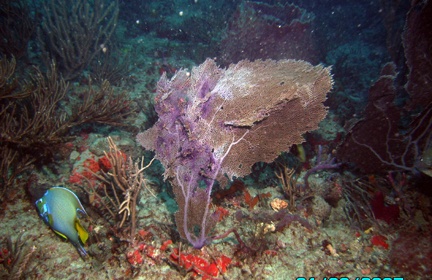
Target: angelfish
{"x": 61, "y": 209}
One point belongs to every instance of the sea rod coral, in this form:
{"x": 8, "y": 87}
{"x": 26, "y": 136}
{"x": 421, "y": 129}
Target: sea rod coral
{"x": 216, "y": 123}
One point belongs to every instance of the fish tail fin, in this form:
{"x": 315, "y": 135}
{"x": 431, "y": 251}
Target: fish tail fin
{"x": 83, "y": 253}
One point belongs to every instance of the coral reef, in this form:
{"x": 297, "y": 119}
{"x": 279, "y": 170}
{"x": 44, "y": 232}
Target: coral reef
{"x": 388, "y": 149}
{"x": 17, "y": 26}
{"x": 259, "y": 30}
{"x": 16, "y": 256}
{"x": 412, "y": 254}
{"x": 240, "y": 146}
{"x": 355, "y": 64}
{"x": 33, "y": 123}
{"x": 417, "y": 42}
{"x": 122, "y": 180}
{"x": 73, "y": 35}
{"x": 403, "y": 131}
{"x": 321, "y": 209}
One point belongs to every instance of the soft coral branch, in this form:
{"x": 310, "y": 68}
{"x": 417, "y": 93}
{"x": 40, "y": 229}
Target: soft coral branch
{"x": 329, "y": 163}
{"x": 192, "y": 194}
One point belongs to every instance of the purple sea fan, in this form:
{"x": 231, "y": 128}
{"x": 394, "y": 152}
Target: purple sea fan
{"x": 217, "y": 122}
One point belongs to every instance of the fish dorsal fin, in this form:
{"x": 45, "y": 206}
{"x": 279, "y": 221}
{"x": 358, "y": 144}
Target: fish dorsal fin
{"x": 81, "y": 213}
{"x": 82, "y": 232}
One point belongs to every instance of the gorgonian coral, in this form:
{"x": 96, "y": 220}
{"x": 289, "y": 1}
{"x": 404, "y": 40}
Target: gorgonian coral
{"x": 215, "y": 122}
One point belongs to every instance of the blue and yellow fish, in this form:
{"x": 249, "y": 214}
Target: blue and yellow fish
{"x": 60, "y": 209}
